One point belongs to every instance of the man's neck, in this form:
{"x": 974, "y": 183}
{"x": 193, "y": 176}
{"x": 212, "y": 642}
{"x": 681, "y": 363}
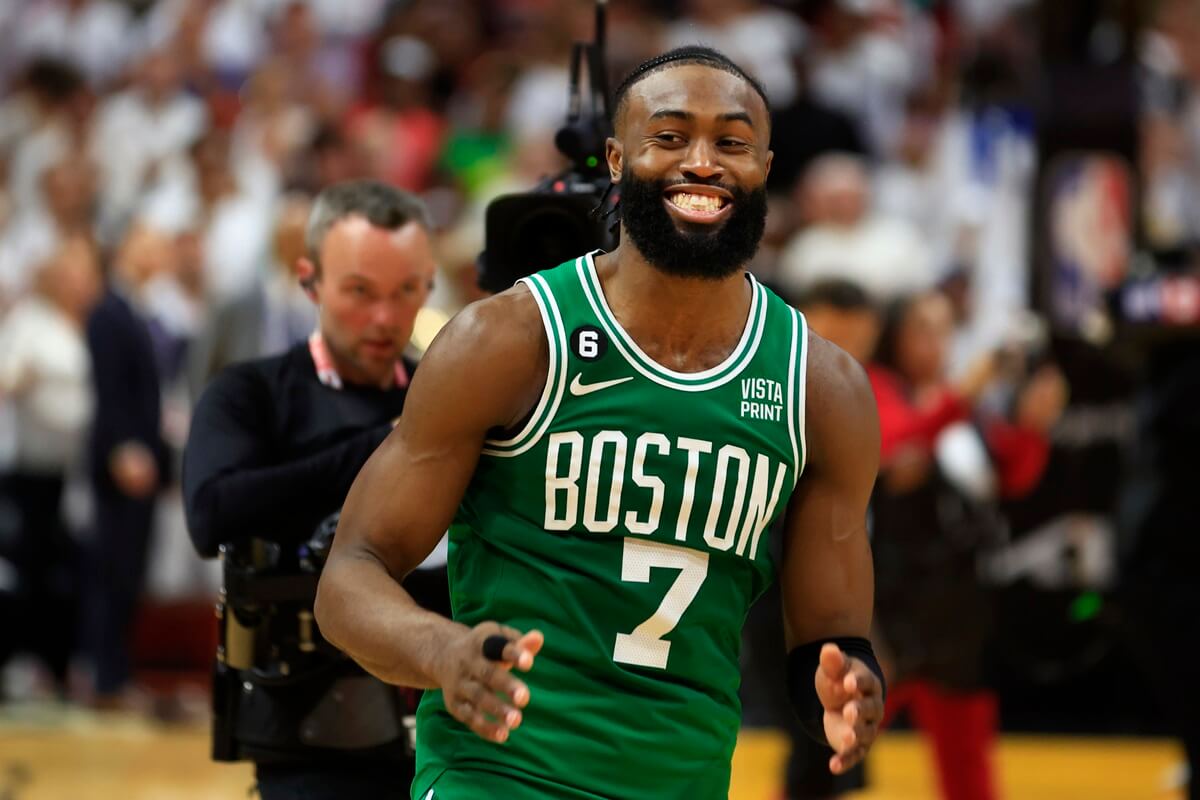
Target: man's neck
{"x": 687, "y": 324}
{"x": 352, "y": 376}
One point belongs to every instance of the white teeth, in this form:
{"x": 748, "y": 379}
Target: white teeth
{"x": 697, "y": 202}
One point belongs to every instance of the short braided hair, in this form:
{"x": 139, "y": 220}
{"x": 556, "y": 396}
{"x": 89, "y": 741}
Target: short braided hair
{"x": 680, "y": 56}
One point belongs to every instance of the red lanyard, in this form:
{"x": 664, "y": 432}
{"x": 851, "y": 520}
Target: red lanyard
{"x": 327, "y": 373}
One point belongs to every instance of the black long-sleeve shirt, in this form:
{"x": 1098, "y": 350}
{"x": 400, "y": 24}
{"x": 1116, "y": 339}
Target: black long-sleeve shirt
{"x": 272, "y": 451}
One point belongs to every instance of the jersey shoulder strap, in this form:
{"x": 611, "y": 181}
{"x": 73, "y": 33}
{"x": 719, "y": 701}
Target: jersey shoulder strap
{"x": 546, "y": 287}
{"x": 784, "y": 356}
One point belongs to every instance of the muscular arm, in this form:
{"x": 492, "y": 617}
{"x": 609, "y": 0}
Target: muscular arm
{"x": 828, "y": 580}
{"x": 483, "y": 372}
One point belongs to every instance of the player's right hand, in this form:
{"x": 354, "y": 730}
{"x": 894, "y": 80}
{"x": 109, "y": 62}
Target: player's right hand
{"x": 483, "y": 694}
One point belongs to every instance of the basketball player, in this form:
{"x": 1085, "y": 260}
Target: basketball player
{"x": 611, "y": 440}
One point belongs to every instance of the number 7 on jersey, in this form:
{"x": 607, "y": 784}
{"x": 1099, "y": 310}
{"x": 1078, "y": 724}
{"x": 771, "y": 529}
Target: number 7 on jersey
{"x": 645, "y": 646}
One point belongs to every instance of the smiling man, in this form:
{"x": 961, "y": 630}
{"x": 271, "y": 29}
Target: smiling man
{"x": 609, "y": 442}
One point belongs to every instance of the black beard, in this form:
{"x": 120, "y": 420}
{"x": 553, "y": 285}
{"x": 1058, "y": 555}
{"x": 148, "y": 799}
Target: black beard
{"x": 703, "y": 252}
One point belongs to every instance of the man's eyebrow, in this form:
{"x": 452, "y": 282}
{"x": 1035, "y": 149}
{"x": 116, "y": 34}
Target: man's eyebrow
{"x": 736, "y": 116}
{"x": 672, "y": 113}
{"x": 675, "y": 113}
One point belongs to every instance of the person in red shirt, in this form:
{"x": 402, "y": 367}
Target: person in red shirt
{"x": 917, "y": 401}
{"x": 944, "y": 464}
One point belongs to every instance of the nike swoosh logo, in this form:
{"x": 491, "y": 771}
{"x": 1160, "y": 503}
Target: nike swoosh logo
{"x": 579, "y": 388}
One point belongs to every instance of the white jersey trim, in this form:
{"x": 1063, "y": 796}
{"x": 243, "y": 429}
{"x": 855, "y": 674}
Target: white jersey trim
{"x": 793, "y": 417}
{"x": 802, "y": 393}
{"x": 556, "y": 377}
{"x": 727, "y": 370}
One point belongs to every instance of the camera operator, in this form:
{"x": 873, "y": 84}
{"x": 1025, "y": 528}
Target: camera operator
{"x": 274, "y": 446}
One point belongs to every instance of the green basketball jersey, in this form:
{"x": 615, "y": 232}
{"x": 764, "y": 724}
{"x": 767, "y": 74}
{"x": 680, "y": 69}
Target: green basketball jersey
{"x": 628, "y": 520}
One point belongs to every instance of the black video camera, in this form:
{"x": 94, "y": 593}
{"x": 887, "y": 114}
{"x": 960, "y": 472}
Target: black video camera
{"x": 279, "y": 688}
{"x": 567, "y": 214}
{"x": 267, "y": 595}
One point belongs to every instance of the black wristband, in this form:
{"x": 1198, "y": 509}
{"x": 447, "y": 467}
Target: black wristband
{"x": 493, "y": 647}
{"x": 802, "y": 663}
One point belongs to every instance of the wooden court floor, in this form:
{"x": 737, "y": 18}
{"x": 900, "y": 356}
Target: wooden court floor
{"x": 73, "y": 755}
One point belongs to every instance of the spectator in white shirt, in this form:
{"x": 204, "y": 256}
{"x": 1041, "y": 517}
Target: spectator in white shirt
{"x": 844, "y": 239}
{"x": 762, "y": 39}
{"x": 230, "y": 204}
{"x": 92, "y": 34}
{"x": 273, "y": 126}
{"x": 57, "y": 115}
{"x": 139, "y": 130}
{"x": 866, "y": 56}
{"x": 230, "y": 35}
{"x": 44, "y": 365}
{"x": 45, "y": 372}
{"x": 32, "y": 237}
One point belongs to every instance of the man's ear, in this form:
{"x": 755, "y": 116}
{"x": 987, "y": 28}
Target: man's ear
{"x": 614, "y": 154}
{"x": 306, "y": 271}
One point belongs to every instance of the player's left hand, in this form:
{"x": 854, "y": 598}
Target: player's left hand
{"x": 853, "y": 700}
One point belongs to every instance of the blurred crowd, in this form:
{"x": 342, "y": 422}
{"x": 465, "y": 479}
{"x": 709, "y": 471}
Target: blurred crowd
{"x": 157, "y": 161}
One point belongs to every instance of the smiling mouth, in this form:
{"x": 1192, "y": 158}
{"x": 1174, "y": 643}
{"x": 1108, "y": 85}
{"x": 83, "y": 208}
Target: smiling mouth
{"x": 697, "y": 203}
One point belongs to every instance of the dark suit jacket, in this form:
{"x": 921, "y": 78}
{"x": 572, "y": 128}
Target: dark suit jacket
{"x": 128, "y": 398}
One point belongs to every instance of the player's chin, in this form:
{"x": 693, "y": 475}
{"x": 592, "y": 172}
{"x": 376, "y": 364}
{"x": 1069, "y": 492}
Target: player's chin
{"x": 699, "y": 230}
